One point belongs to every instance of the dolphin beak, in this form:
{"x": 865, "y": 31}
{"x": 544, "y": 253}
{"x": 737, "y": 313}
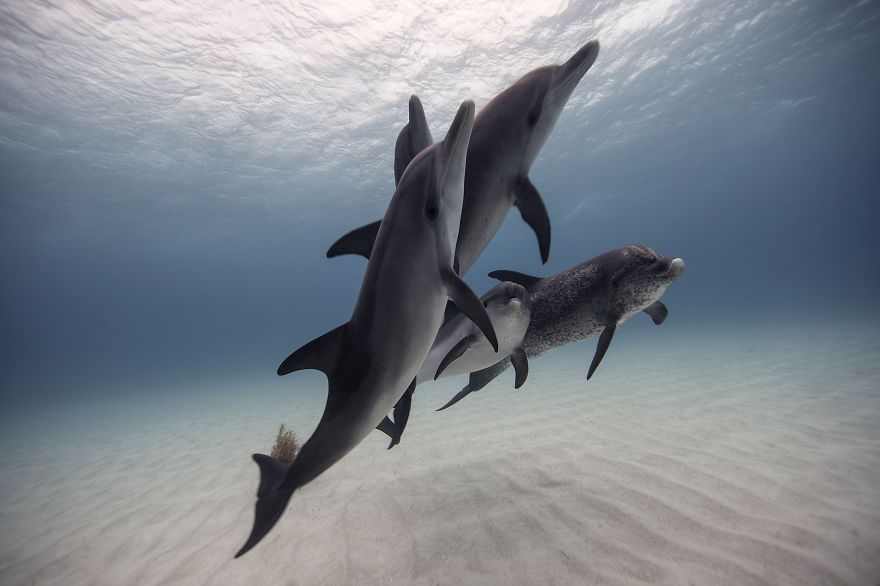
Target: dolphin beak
{"x": 676, "y": 267}
{"x": 575, "y": 68}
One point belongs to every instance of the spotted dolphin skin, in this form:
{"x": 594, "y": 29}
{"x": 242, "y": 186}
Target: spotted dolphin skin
{"x": 589, "y": 299}
{"x": 372, "y": 360}
{"x": 460, "y": 347}
{"x": 509, "y": 132}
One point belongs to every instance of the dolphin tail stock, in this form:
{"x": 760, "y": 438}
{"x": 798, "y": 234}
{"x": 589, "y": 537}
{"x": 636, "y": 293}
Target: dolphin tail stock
{"x": 527, "y": 281}
{"x": 534, "y": 212}
{"x": 272, "y": 498}
{"x": 657, "y": 311}
{"x": 469, "y": 304}
{"x": 602, "y": 346}
{"x": 358, "y": 241}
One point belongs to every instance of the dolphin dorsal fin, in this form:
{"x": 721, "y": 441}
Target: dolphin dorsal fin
{"x": 527, "y": 281}
{"x": 358, "y": 241}
{"x": 319, "y": 354}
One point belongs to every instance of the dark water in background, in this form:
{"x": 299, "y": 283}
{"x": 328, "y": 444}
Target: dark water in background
{"x": 171, "y": 178}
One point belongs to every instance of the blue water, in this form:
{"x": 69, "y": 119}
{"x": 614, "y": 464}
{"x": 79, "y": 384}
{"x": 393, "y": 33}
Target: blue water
{"x": 173, "y": 173}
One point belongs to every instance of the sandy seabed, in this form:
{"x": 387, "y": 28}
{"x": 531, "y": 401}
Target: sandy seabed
{"x": 747, "y": 456}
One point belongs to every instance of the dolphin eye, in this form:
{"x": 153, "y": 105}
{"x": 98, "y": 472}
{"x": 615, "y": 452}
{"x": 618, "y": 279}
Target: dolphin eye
{"x": 432, "y": 211}
{"x": 486, "y": 303}
{"x": 532, "y": 118}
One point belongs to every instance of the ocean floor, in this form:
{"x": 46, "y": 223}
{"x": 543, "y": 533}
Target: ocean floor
{"x": 746, "y": 455}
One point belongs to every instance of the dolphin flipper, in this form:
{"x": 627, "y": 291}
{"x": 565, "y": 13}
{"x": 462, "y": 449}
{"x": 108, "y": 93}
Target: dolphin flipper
{"x": 657, "y": 311}
{"x": 521, "y": 365}
{"x": 401, "y": 414}
{"x": 523, "y": 279}
{"x": 533, "y": 211}
{"x": 358, "y": 241}
{"x": 455, "y": 353}
{"x": 317, "y": 354}
{"x": 470, "y": 305}
{"x": 602, "y": 347}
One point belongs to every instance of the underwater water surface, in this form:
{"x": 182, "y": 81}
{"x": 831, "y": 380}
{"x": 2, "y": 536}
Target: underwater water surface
{"x": 172, "y": 174}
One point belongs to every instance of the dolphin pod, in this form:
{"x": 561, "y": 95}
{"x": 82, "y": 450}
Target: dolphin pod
{"x": 508, "y": 135}
{"x": 450, "y": 200}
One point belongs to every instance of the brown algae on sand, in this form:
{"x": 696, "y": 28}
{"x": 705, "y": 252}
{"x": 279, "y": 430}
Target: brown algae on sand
{"x": 285, "y": 446}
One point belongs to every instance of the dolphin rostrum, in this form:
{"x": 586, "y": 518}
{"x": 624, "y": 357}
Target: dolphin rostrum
{"x": 508, "y": 135}
{"x": 371, "y": 360}
{"x": 460, "y": 348}
{"x": 589, "y": 299}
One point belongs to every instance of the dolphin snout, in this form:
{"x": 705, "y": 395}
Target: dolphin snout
{"x": 676, "y": 267}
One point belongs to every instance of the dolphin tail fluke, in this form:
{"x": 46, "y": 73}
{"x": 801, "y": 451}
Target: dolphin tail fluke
{"x": 458, "y": 397}
{"x": 272, "y": 499}
{"x": 470, "y": 305}
{"x": 602, "y": 347}
{"x": 401, "y": 413}
{"x": 387, "y": 427}
{"x": 318, "y": 354}
{"x": 272, "y": 473}
{"x": 527, "y": 281}
{"x": 358, "y": 241}
{"x": 533, "y": 211}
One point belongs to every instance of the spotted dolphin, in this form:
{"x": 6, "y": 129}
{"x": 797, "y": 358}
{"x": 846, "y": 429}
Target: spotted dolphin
{"x": 509, "y": 132}
{"x": 460, "y": 348}
{"x": 372, "y": 360}
{"x": 590, "y": 299}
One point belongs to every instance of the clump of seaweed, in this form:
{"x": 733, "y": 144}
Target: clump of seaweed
{"x": 286, "y": 446}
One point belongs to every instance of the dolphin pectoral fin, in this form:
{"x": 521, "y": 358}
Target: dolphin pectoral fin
{"x": 521, "y": 365}
{"x": 523, "y": 279}
{"x": 272, "y": 499}
{"x": 358, "y": 241}
{"x": 657, "y": 311}
{"x": 317, "y": 354}
{"x": 470, "y": 305}
{"x": 455, "y": 353}
{"x": 602, "y": 347}
{"x": 401, "y": 413}
{"x": 387, "y": 427}
{"x": 533, "y": 211}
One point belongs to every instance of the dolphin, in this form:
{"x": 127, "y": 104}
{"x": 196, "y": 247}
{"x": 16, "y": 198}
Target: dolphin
{"x": 371, "y": 360}
{"x": 460, "y": 348}
{"x": 590, "y": 299}
{"x": 508, "y": 135}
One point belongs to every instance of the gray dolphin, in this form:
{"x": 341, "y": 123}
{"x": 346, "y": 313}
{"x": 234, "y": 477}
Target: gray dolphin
{"x": 460, "y": 347}
{"x": 508, "y": 135}
{"x": 589, "y": 299}
{"x": 371, "y": 360}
